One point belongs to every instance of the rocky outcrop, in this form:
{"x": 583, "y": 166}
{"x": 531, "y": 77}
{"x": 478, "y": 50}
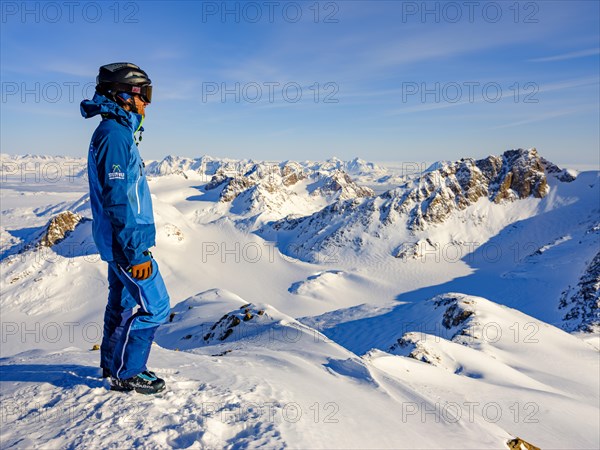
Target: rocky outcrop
{"x": 520, "y": 444}
{"x": 341, "y": 185}
{"x": 457, "y": 309}
{"x": 225, "y": 326}
{"x": 59, "y": 227}
{"x": 564, "y": 175}
{"x": 234, "y": 186}
{"x": 415, "y": 250}
{"x": 217, "y": 180}
{"x": 455, "y": 315}
{"x": 291, "y": 173}
{"x": 583, "y": 302}
{"x": 458, "y": 319}
{"x": 425, "y": 201}
{"x": 411, "y": 345}
{"x": 517, "y": 174}
{"x": 276, "y": 179}
{"x": 292, "y": 178}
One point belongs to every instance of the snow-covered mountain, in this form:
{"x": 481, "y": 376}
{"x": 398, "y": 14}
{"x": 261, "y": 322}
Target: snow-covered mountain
{"x": 423, "y": 202}
{"x": 314, "y": 304}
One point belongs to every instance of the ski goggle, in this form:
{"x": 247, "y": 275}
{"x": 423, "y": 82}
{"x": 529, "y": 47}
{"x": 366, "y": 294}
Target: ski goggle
{"x": 145, "y": 91}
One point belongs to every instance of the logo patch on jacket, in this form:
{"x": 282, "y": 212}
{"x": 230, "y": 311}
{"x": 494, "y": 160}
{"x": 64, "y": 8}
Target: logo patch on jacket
{"x": 116, "y": 173}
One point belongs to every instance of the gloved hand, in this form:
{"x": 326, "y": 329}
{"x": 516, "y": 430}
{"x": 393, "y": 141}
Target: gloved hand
{"x": 142, "y": 271}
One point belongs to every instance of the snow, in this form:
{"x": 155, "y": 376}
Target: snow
{"x": 320, "y": 363}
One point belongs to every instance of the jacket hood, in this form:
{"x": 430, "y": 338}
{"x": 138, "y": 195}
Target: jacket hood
{"x": 110, "y": 110}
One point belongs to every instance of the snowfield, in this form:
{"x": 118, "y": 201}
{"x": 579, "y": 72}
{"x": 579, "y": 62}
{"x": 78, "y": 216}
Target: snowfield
{"x": 335, "y": 304}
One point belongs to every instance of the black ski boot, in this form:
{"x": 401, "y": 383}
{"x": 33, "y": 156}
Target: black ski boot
{"x": 144, "y": 383}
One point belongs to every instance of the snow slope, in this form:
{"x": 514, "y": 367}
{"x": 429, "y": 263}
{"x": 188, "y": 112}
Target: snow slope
{"x": 342, "y": 346}
{"x": 281, "y": 383}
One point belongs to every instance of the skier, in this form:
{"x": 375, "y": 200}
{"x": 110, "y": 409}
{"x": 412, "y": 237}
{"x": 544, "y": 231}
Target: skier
{"x": 123, "y": 228}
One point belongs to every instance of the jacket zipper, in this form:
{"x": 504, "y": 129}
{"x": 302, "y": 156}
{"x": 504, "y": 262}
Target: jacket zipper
{"x": 137, "y": 195}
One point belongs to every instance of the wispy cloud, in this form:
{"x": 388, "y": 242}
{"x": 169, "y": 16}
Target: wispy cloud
{"x": 567, "y": 84}
{"x": 546, "y": 116}
{"x": 73, "y": 69}
{"x": 67, "y": 110}
{"x": 548, "y": 87}
{"x": 570, "y": 55}
{"x": 168, "y": 54}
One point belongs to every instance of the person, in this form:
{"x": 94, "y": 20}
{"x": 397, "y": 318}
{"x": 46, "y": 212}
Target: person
{"x": 123, "y": 228}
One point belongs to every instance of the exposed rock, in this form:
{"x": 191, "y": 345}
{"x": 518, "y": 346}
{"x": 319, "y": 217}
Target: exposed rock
{"x": 459, "y": 324}
{"x": 265, "y": 190}
{"x": 458, "y": 311}
{"x": 425, "y": 201}
{"x": 521, "y": 175}
{"x": 455, "y": 316}
{"x": 292, "y": 178}
{"x": 413, "y": 345}
{"x": 173, "y": 232}
{"x": 340, "y": 183}
{"x": 564, "y": 175}
{"x": 216, "y": 180}
{"x": 415, "y": 250}
{"x": 59, "y": 227}
{"x": 235, "y": 186}
{"x": 225, "y": 326}
{"x": 584, "y": 303}
{"x": 434, "y": 196}
{"x": 517, "y": 174}
{"x": 290, "y": 167}
{"x": 519, "y": 444}
{"x": 406, "y": 250}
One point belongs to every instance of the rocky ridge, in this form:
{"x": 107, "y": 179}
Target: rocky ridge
{"x": 423, "y": 202}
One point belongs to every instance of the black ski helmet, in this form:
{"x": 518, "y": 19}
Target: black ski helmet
{"x": 123, "y": 77}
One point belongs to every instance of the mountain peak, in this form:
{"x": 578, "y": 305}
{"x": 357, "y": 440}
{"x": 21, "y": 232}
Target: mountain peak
{"x": 425, "y": 201}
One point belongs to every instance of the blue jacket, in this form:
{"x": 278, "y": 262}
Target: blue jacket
{"x": 123, "y": 226}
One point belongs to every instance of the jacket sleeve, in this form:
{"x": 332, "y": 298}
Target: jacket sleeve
{"x": 118, "y": 182}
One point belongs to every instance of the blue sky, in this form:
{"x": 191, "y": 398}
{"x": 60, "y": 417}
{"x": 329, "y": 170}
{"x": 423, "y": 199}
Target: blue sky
{"x": 395, "y": 82}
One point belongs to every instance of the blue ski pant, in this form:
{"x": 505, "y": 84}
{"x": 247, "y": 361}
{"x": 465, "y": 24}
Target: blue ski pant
{"x": 127, "y": 335}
